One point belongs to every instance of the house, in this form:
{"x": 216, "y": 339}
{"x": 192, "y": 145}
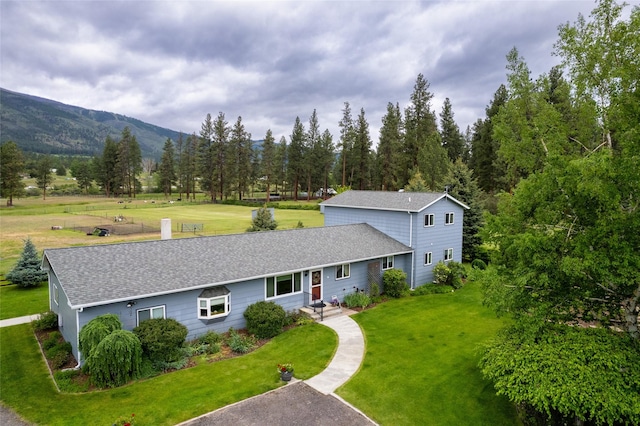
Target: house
{"x": 206, "y": 283}
{"x": 430, "y": 223}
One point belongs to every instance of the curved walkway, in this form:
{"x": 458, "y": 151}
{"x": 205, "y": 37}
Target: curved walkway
{"x": 309, "y": 402}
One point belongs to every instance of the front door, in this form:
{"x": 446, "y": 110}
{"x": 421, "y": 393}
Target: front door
{"x": 316, "y": 285}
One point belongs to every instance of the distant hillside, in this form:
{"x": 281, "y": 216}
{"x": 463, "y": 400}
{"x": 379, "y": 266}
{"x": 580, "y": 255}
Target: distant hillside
{"x": 46, "y": 126}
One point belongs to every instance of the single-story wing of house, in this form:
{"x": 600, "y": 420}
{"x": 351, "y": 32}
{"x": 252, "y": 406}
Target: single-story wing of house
{"x": 206, "y": 283}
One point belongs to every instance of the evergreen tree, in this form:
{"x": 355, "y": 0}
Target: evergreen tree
{"x": 129, "y": 162}
{"x": 268, "y": 161}
{"x": 462, "y": 186}
{"x": 11, "y": 169}
{"x": 104, "y": 168}
{"x": 484, "y": 147}
{"x": 221, "y": 132}
{"x": 167, "y": 169}
{"x": 422, "y": 147}
{"x": 207, "y": 158}
{"x": 362, "y": 153}
{"x": 244, "y": 156}
{"x": 81, "y": 170}
{"x": 389, "y": 148}
{"x": 416, "y": 182}
{"x": 263, "y": 221}
{"x": 452, "y": 139}
{"x": 27, "y": 272}
{"x": 44, "y": 176}
{"x": 345, "y": 145}
{"x": 326, "y": 157}
{"x": 313, "y": 154}
{"x": 296, "y": 156}
{"x": 282, "y": 161}
{"x": 189, "y": 164}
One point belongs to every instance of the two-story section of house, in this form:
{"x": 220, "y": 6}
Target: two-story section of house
{"x": 428, "y": 222}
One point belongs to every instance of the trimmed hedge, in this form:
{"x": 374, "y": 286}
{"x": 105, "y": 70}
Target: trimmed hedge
{"x": 265, "y": 319}
{"x": 161, "y": 338}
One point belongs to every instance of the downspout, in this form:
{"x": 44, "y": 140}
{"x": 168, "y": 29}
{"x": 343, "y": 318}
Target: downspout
{"x": 78, "y": 337}
{"x": 413, "y": 267}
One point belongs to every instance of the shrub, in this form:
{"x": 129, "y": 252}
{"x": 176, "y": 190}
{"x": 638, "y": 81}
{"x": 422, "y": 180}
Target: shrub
{"x": 47, "y": 321}
{"x": 95, "y": 331}
{"x": 479, "y": 264}
{"x": 441, "y": 273}
{"x": 161, "y": 338}
{"x": 116, "y": 359}
{"x": 27, "y": 272}
{"x": 263, "y": 221}
{"x": 431, "y": 289}
{"x": 374, "y": 291}
{"x": 239, "y": 343}
{"x": 265, "y": 319}
{"x": 449, "y": 274}
{"x": 395, "y": 283}
{"x": 59, "y": 354}
{"x": 210, "y": 337}
{"x": 357, "y": 299}
{"x": 52, "y": 340}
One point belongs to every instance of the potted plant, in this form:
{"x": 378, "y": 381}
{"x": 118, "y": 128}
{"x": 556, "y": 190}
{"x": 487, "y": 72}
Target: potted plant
{"x": 286, "y": 371}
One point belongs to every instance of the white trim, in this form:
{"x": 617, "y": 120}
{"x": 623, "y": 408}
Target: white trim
{"x": 386, "y": 259}
{"x": 446, "y": 218}
{"x": 150, "y": 308}
{"x": 56, "y": 295}
{"x": 227, "y": 306}
{"x": 275, "y": 287}
{"x": 432, "y": 221}
{"x": 343, "y": 277}
{"x": 448, "y": 254}
{"x": 430, "y": 254}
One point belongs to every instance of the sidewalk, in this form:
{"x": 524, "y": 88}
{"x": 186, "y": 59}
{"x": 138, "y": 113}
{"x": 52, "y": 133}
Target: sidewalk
{"x": 18, "y": 320}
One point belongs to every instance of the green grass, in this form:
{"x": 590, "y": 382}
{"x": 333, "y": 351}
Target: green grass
{"x": 421, "y": 362}
{"x": 17, "y": 302}
{"x": 25, "y": 384}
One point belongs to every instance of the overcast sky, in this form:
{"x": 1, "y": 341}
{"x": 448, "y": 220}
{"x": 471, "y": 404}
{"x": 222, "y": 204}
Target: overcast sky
{"x": 170, "y": 63}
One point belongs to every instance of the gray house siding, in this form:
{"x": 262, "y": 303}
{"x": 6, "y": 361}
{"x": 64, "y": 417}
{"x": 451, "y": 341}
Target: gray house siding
{"x": 67, "y": 319}
{"x": 395, "y": 224}
{"x": 436, "y": 239}
{"x": 409, "y": 229}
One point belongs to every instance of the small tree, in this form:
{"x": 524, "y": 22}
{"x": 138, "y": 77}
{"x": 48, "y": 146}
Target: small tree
{"x": 116, "y": 359}
{"x": 395, "y": 283}
{"x": 263, "y": 221}
{"x": 27, "y": 272}
{"x": 161, "y": 338}
{"x": 95, "y": 331}
{"x": 265, "y": 319}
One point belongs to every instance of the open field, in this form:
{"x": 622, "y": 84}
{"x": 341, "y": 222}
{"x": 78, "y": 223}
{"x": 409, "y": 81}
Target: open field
{"x": 33, "y": 218}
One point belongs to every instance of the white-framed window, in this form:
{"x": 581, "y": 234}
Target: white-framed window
{"x": 149, "y": 313}
{"x": 214, "y": 302}
{"x": 343, "y": 271}
{"x": 448, "y": 218}
{"x": 448, "y": 254}
{"x": 283, "y": 285}
{"x": 387, "y": 263}
{"x": 56, "y": 294}
{"x": 428, "y": 258}
{"x": 429, "y": 220}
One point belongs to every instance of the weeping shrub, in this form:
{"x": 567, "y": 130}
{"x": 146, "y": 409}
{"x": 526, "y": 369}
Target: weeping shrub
{"x": 161, "y": 339}
{"x": 95, "y": 330}
{"x": 116, "y": 360}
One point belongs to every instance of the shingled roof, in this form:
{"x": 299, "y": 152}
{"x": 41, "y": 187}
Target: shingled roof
{"x": 101, "y": 274}
{"x": 387, "y": 200}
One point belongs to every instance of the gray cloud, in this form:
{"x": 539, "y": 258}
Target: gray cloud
{"x": 172, "y": 62}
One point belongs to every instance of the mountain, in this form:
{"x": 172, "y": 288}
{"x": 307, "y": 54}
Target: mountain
{"x": 45, "y": 126}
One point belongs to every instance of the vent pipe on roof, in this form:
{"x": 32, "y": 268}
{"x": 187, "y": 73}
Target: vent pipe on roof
{"x": 165, "y": 229}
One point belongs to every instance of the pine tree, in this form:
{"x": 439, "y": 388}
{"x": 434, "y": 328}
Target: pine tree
{"x": 296, "y": 155}
{"x": 452, "y": 139}
{"x": 11, "y": 168}
{"x": 44, "y": 177}
{"x": 27, "y": 272}
{"x": 167, "y": 168}
{"x": 263, "y": 221}
{"x": 268, "y": 160}
{"x": 388, "y": 152}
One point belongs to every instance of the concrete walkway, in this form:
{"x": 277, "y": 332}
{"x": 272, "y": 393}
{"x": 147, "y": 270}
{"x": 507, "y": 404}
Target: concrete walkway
{"x": 347, "y": 358}
{"x": 18, "y": 320}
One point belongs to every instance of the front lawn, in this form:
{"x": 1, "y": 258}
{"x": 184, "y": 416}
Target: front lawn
{"x": 421, "y": 362}
{"x": 16, "y": 301}
{"x": 25, "y": 384}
